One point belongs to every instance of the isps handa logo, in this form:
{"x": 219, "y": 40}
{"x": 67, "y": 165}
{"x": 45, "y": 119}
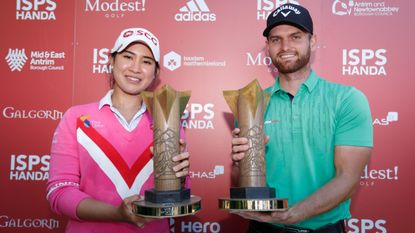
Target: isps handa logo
{"x": 100, "y": 61}
{"x": 364, "y": 62}
{"x": 198, "y": 116}
{"x": 35, "y": 10}
{"x": 364, "y": 225}
{"x": 265, "y": 7}
{"x": 29, "y": 167}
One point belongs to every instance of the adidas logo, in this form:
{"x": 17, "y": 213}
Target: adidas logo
{"x": 195, "y": 10}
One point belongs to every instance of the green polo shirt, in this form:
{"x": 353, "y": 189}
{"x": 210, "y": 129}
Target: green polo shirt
{"x": 303, "y": 132}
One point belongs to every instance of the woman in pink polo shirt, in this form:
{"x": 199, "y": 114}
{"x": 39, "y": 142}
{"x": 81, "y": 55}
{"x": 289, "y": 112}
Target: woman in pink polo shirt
{"x": 100, "y": 156}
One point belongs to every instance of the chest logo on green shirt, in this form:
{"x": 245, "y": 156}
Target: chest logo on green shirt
{"x": 271, "y": 121}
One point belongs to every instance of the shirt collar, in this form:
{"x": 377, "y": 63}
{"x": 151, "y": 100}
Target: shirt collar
{"x": 106, "y": 100}
{"x": 310, "y": 83}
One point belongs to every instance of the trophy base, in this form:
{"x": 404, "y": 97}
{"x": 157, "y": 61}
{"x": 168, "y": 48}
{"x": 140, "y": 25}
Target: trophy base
{"x": 166, "y": 210}
{"x": 237, "y": 204}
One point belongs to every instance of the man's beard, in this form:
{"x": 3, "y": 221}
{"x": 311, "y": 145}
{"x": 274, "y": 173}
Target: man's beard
{"x": 291, "y": 68}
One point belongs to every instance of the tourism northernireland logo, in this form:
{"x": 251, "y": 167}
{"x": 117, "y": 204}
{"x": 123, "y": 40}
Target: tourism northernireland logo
{"x": 173, "y": 61}
{"x": 363, "y": 8}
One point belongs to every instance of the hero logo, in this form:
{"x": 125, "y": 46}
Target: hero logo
{"x": 218, "y": 170}
{"x": 29, "y": 167}
{"x": 7, "y": 222}
{"x": 366, "y": 226}
{"x": 115, "y": 9}
{"x": 260, "y": 60}
{"x": 265, "y": 7}
{"x": 100, "y": 63}
{"x": 195, "y": 10}
{"x": 35, "y": 10}
{"x": 391, "y": 117}
{"x": 197, "y": 227}
{"x": 359, "y": 62}
{"x": 369, "y": 176}
{"x": 198, "y": 116}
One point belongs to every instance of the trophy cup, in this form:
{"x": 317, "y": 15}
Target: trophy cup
{"x": 248, "y": 105}
{"x": 168, "y": 198}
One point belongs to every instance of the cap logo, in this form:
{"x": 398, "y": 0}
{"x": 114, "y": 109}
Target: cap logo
{"x": 286, "y": 7}
{"x": 285, "y": 14}
{"x": 141, "y": 33}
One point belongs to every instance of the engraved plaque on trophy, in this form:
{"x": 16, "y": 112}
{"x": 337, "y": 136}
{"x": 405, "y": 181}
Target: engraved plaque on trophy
{"x": 248, "y": 105}
{"x": 168, "y": 198}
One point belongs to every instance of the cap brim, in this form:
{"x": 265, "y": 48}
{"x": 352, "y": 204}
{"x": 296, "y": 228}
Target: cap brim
{"x": 297, "y": 25}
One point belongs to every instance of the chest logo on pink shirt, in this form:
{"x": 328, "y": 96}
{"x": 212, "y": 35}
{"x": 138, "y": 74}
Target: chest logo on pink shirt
{"x": 127, "y": 180}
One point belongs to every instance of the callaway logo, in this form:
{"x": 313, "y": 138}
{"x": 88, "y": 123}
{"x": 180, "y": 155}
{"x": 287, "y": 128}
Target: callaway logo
{"x": 289, "y": 8}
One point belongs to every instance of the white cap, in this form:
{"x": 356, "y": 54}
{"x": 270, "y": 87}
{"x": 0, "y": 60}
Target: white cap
{"x": 129, "y": 35}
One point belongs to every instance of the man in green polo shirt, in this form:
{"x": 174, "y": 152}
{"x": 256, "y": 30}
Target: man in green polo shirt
{"x": 320, "y": 134}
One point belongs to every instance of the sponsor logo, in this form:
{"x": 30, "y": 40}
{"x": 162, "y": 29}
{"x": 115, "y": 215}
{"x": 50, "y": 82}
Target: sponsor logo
{"x": 217, "y": 170}
{"x": 171, "y": 225}
{"x": 267, "y": 122}
{"x": 35, "y": 10}
{"x": 260, "y": 59}
{"x": 265, "y": 7}
{"x": 16, "y": 58}
{"x": 197, "y": 227}
{"x": 12, "y": 113}
{"x": 195, "y": 10}
{"x": 29, "y": 167}
{"x": 371, "y": 176}
{"x": 390, "y": 117}
{"x": 114, "y": 8}
{"x": 39, "y": 60}
{"x": 363, "y": 8}
{"x": 173, "y": 61}
{"x": 355, "y": 225}
{"x": 100, "y": 61}
{"x": 198, "y": 116}
{"x": 9, "y": 222}
{"x": 364, "y": 62}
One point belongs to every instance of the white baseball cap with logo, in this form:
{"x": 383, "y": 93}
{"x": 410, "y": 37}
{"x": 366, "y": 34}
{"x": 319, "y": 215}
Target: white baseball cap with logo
{"x": 130, "y": 35}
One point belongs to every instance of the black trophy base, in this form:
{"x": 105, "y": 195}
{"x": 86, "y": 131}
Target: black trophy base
{"x": 167, "y": 196}
{"x": 253, "y": 199}
{"x": 145, "y": 208}
{"x": 252, "y": 192}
